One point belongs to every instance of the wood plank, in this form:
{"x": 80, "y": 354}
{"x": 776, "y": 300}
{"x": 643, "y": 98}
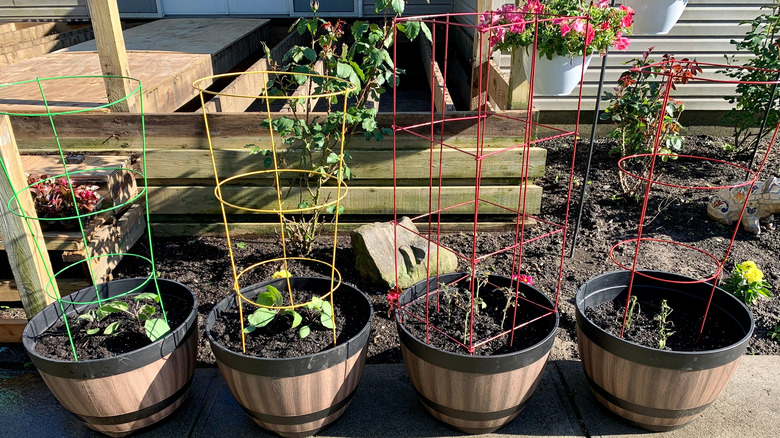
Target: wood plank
{"x": 31, "y": 267}
{"x": 442, "y": 100}
{"x": 9, "y": 292}
{"x": 186, "y": 200}
{"x": 365, "y": 164}
{"x": 498, "y": 87}
{"x": 479, "y": 63}
{"x": 253, "y": 229}
{"x": 110, "y": 43}
{"x": 11, "y": 329}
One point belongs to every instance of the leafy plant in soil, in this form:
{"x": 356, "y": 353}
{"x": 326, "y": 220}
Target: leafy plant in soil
{"x": 58, "y": 197}
{"x": 117, "y": 327}
{"x": 277, "y": 340}
{"x": 747, "y": 283}
{"x": 273, "y": 298}
{"x": 139, "y": 310}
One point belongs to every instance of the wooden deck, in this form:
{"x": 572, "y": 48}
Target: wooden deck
{"x": 165, "y": 55}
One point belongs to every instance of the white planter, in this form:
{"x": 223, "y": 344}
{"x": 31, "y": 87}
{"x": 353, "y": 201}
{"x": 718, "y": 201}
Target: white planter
{"x": 555, "y": 77}
{"x": 655, "y": 16}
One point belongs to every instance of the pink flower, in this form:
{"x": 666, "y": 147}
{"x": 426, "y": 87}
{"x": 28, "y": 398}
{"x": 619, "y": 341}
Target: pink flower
{"x": 603, "y": 3}
{"x": 628, "y": 20}
{"x": 589, "y": 37}
{"x": 621, "y": 42}
{"x": 517, "y": 27}
{"x": 534, "y": 6}
{"x": 565, "y": 28}
{"x": 579, "y": 25}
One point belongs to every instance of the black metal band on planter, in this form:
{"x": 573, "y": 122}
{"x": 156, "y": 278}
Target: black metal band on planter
{"x": 118, "y": 364}
{"x": 287, "y": 367}
{"x": 644, "y": 410}
{"x": 725, "y": 306}
{"x": 141, "y": 413}
{"x": 301, "y": 419}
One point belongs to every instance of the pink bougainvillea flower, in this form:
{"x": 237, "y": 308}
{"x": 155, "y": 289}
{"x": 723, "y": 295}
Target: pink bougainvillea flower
{"x": 628, "y": 20}
{"x": 565, "y": 28}
{"x": 621, "y": 42}
{"x": 578, "y": 25}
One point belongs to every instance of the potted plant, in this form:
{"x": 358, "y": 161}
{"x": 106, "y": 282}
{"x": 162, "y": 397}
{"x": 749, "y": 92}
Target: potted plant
{"x": 661, "y": 368}
{"x": 122, "y": 362}
{"x": 569, "y": 32}
{"x": 656, "y": 16}
{"x": 60, "y": 204}
{"x": 281, "y": 363}
{"x": 470, "y": 387}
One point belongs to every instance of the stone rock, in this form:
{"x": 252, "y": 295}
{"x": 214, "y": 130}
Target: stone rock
{"x": 375, "y": 254}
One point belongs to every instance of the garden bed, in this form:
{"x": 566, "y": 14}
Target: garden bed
{"x": 202, "y": 262}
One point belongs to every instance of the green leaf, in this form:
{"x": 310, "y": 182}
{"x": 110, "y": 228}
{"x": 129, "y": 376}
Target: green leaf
{"x": 147, "y": 296}
{"x": 304, "y": 331}
{"x": 113, "y": 307}
{"x": 93, "y": 331}
{"x": 146, "y": 312}
{"x": 111, "y": 328}
{"x": 310, "y": 54}
{"x": 411, "y": 29}
{"x": 326, "y": 319}
{"x": 398, "y": 6}
{"x": 332, "y": 208}
{"x": 369, "y": 124}
{"x": 86, "y": 317}
{"x": 297, "y": 318}
{"x": 156, "y": 328}
{"x": 241, "y": 245}
{"x": 333, "y": 158}
{"x": 426, "y": 31}
{"x": 261, "y": 317}
{"x": 249, "y": 329}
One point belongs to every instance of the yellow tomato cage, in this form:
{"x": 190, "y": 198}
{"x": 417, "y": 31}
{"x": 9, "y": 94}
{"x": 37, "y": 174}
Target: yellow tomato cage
{"x": 341, "y": 188}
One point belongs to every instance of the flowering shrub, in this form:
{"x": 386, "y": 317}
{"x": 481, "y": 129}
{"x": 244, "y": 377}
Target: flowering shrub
{"x": 564, "y": 28}
{"x": 747, "y": 282}
{"x": 53, "y": 197}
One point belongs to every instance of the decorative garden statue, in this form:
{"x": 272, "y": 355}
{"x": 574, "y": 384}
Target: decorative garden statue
{"x": 764, "y": 201}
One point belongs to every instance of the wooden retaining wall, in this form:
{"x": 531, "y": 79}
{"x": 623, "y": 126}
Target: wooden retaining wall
{"x": 181, "y": 179}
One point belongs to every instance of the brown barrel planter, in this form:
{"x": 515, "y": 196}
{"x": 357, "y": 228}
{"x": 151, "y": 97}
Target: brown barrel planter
{"x": 474, "y": 394}
{"x": 121, "y": 394}
{"x": 295, "y": 397}
{"x": 653, "y": 389}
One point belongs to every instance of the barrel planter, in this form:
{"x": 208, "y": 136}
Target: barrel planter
{"x": 295, "y": 397}
{"x": 121, "y": 394}
{"x": 654, "y": 389}
{"x": 473, "y": 394}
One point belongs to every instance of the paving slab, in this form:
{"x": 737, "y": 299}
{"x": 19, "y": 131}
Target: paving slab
{"x": 749, "y": 406}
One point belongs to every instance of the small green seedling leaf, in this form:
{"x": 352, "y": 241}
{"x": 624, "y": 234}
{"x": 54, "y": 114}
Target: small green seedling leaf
{"x": 241, "y": 245}
{"x": 304, "y": 332}
{"x": 111, "y": 328}
{"x": 86, "y": 317}
{"x": 146, "y": 312}
{"x": 261, "y": 317}
{"x": 249, "y": 329}
{"x": 93, "y": 331}
{"x": 297, "y": 318}
{"x": 114, "y": 307}
{"x": 147, "y": 296}
{"x": 156, "y": 328}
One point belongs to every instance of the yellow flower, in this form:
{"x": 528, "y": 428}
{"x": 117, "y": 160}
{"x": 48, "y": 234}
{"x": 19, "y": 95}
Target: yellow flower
{"x": 282, "y": 273}
{"x": 750, "y": 272}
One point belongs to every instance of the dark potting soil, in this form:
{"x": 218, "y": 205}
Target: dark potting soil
{"x": 54, "y": 342}
{"x": 645, "y": 330}
{"x": 453, "y": 325}
{"x": 202, "y": 263}
{"x": 279, "y": 340}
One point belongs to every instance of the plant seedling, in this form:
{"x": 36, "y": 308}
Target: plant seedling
{"x": 273, "y": 298}
{"x": 633, "y": 305}
{"x": 153, "y": 328}
{"x": 452, "y": 296}
{"x": 509, "y": 294}
{"x": 664, "y": 324}
{"x": 774, "y": 334}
